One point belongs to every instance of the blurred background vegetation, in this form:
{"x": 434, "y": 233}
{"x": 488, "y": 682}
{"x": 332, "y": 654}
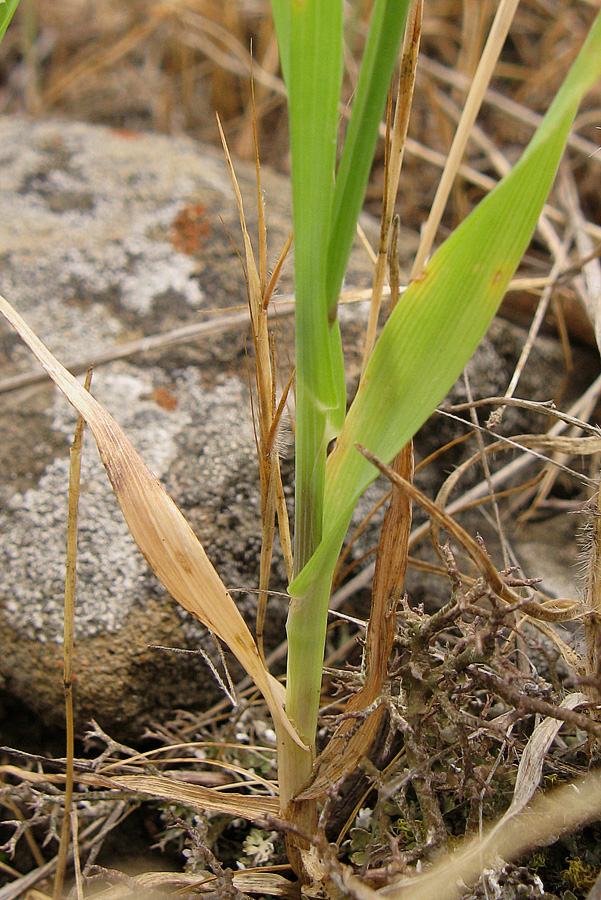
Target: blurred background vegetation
{"x": 169, "y": 65}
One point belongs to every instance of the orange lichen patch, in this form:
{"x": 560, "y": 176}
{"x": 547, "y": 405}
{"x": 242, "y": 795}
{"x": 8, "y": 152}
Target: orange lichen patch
{"x": 190, "y": 229}
{"x": 126, "y": 133}
{"x": 164, "y": 398}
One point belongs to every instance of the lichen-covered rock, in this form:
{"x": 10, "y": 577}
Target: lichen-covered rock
{"x": 106, "y": 236}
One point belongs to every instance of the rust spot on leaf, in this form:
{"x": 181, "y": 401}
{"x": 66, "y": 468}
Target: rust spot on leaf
{"x": 190, "y": 229}
{"x": 423, "y": 276}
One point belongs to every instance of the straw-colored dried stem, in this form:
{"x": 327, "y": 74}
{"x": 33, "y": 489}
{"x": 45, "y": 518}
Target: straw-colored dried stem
{"x": 494, "y": 44}
{"x": 268, "y": 412}
{"x": 69, "y": 617}
{"x": 592, "y": 622}
{"x": 395, "y": 149}
{"x": 363, "y": 713}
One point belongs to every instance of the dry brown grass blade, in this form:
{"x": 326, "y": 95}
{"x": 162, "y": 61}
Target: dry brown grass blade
{"x": 496, "y": 39}
{"x": 395, "y": 145}
{"x": 352, "y": 741}
{"x": 165, "y": 538}
{"x": 268, "y": 884}
{"x": 247, "y": 806}
{"x": 557, "y": 611}
{"x": 69, "y": 614}
{"x": 592, "y": 600}
{"x": 267, "y": 418}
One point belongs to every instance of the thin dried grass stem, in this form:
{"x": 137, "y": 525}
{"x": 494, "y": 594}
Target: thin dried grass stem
{"x": 562, "y": 611}
{"x": 268, "y": 412}
{"x": 488, "y": 60}
{"x": 68, "y": 627}
{"x": 351, "y": 742}
{"x": 395, "y": 144}
{"x": 592, "y": 599}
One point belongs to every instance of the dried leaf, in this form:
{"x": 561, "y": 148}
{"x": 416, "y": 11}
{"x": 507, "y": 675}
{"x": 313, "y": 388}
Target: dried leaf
{"x": 352, "y": 741}
{"x": 165, "y": 538}
{"x": 247, "y": 806}
{"x": 268, "y": 884}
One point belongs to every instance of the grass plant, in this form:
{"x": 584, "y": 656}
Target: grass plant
{"x": 425, "y": 343}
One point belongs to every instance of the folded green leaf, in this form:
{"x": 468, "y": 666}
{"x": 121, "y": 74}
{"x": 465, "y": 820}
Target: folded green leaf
{"x": 315, "y": 43}
{"x": 377, "y": 67}
{"x": 281, "y": 20}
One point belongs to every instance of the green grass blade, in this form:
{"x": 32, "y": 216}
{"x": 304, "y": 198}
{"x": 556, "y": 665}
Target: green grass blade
{"x": 379, "y": 58}
{"x": 7, "y": 10}
{"x": 442, "y": 316}
{"x": 281, "y": 21}
{"x": 314, "y": 84}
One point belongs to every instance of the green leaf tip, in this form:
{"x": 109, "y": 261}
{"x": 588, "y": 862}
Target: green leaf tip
{"x": 7, "y": 11}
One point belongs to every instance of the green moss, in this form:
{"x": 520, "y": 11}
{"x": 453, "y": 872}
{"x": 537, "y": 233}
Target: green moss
{"x": 539, "y": 860}
{"x": 580, "y": 875}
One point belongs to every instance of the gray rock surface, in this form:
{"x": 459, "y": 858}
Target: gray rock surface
{"x": 106, "y": 236}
